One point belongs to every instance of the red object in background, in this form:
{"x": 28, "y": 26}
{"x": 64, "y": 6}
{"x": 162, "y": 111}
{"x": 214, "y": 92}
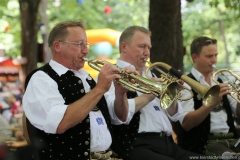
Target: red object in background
{"x": 9, "y": 71}
{"x": 107, "y": 9}
{"x": 5, "y": 61}
{"x": 7, "y": 28}
{"x": 14, "y": 108}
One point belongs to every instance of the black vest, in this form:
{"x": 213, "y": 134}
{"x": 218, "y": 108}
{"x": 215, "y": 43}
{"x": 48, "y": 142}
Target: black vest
{"x": 196, "y": 139}
{"x": 126, "y": 134}
{"x": 74, "y": 144}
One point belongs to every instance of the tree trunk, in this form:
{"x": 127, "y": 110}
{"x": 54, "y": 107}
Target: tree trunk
{"x": 28, "y": 14}
{"x": 43, "y": 13}
{"x": 165, "y": 25}
{"x": 222, "y": 31}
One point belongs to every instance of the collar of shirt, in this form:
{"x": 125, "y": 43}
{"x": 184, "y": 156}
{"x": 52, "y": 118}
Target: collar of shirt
{"x": 60, "y": 69}
{"x": 199, "y": 77}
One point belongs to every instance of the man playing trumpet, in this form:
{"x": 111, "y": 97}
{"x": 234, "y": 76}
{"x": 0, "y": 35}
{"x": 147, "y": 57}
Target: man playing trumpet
{"x": 208, "y": 130}
{"x": 66, "y": 111}
{"x": 148, "y": 134}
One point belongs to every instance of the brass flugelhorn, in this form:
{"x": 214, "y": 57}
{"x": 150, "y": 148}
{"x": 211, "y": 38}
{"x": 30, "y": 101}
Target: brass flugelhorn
{"x": 208, "y": 94}
{"x": 165, "y": 92}
{"x": 234, "y": 84}
{"x": 166, "y": 78}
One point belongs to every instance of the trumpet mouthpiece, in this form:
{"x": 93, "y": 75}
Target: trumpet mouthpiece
{"x": 85, "y": 59}
{"x": 146, "y": 60}
{"x": 214, "y": 65}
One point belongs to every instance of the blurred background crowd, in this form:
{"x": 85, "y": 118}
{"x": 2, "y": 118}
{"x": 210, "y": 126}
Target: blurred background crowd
{"x": 11, "y": 112}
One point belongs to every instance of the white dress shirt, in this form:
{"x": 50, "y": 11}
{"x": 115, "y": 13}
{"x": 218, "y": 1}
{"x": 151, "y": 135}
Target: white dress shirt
{"x": 44, "y": 106}
{"x": 152, "y": 117}
{"x": 218, "y": 119}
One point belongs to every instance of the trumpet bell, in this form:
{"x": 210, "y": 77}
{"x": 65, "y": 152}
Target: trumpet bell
{"x": 211, "y": 95}
{"x": 208, "y": 94}
{"x": 169, "y": 95}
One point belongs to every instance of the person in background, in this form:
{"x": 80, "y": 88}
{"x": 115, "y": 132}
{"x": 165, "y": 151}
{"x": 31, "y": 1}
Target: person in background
{"x": 147, "y": 133}
{"x": 67, "y": 114}
{"x": 6, "y": 104}
{"x": 209, "y": 130}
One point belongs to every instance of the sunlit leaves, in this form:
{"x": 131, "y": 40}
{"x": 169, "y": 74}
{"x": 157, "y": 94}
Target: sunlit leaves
{"x": 201, "y": 19}
{"x": 10, "y": 27}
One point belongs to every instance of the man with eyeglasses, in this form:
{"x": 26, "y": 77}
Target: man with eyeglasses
{"x": 208, "y": 130}
{"x": 67, "y": 114}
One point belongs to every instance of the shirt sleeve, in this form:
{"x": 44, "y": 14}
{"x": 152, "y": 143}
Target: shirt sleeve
{"x": 42, "y": 102}
{"x": 178, "y": 115}
{"x": 188, "y": 105}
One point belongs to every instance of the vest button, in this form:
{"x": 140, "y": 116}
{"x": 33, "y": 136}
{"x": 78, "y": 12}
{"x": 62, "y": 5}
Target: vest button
{"x": 87, "y": 131}
{"x": 82, "y": 90}
{"x": 79, "y": 82}
{"x": 86, "y": 153}
{"x": 86, "y": 142}
{"x": 87, "y": 120}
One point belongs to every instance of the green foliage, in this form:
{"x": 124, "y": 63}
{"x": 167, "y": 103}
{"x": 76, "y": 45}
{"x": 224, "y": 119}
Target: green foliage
{"x": 10, "y": 27}
{"x": 124, "y": 13}
{"x": 201, "y": 19}
{"x": 198, "y": 18}
{"x": 230, "y": 4}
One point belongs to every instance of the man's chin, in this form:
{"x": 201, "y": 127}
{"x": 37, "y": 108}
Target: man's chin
{"x": 80, "y": 66}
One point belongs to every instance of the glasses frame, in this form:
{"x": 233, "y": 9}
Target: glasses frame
{"x": 80, "y": 44}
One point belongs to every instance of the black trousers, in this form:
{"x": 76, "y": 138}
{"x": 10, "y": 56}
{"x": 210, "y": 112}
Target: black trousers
{"x": 155, "y": 147}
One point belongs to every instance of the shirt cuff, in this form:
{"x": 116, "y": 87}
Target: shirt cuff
{"x": 178, "y": 115}
{"x": 55, "y": 116}
{"x": 131, "y": 110}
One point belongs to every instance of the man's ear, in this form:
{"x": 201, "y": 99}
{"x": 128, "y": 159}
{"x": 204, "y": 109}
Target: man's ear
{"x": 123, "y": 47}
{"x": 57, "y": 46}
{"x": 194, "y": 57}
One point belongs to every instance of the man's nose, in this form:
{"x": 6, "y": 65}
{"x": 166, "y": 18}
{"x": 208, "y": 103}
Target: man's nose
{"x": 146, "y": 52}
{"x": 85, "y": 51}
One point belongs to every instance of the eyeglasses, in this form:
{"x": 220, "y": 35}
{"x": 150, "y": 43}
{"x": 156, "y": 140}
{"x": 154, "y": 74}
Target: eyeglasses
{"x": 80, "y": 44}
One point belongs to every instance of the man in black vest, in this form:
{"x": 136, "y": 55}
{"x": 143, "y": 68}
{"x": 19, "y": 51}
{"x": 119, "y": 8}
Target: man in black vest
{"x": 208, "y": 130}
{"x": 147, "y": 135}
{"x": 67, "y": 115}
